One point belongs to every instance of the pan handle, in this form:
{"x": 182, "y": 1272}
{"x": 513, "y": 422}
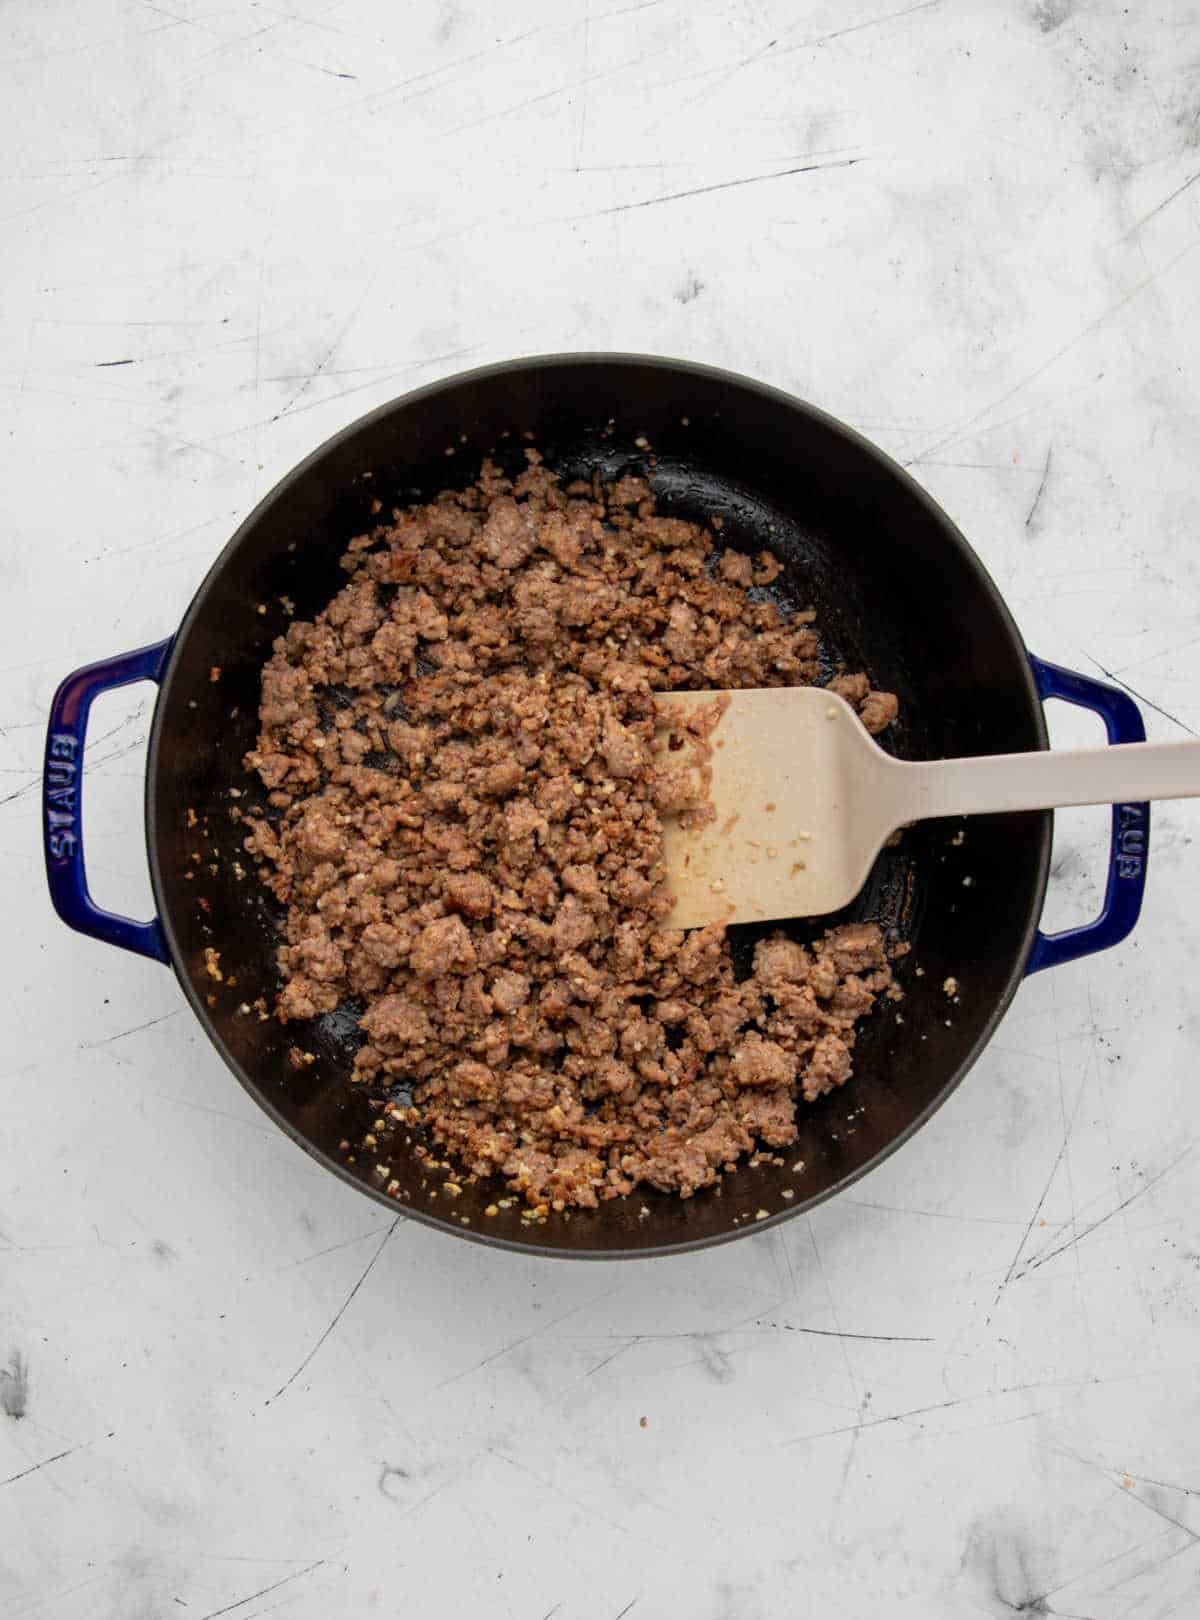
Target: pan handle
{"x": 62, "y": 800}
{"x": 1130, "y": 841}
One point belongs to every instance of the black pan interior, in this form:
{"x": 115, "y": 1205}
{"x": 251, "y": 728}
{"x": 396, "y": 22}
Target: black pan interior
{"x": 897, "y": 592}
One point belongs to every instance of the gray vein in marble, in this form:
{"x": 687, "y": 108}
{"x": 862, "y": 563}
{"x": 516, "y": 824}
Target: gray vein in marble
{"x": 14, "y": 1387}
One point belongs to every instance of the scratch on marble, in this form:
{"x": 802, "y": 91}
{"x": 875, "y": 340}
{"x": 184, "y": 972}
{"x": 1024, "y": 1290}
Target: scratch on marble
{"x": 1093, "y": 1569}
{"x": 770, "y": 49}
{"x": 847, "y": 1366}
{"x": 1133, "y": 692}
{"x": 1078, "y": 1237}
{"x": 1069, "y": 1177}
{"x": 782, "y": 1243}
{"x": 558, "y": 1491}
{"x": 1124, "y": 1486}
{"x": 941, "y": 1214}
{"x": 1158, "y": 208}
{"x": 1041, "y": 489}
{"x": 46, "y": 1461}
{"x": 123, "y": 1034}
{"x": 851, "y": 1453}
{"x": 1084, "y": 332}
{"x": 515, "y": 1344}
{"x": 21, "y": 792}
{"x": 179, "y": 443}
{"x": 158, "y": 539}
{"x": 161, "y": 11}
{"x": 295, "y": 409}
{"x": 877, "y": 1422}
{"x": 318, "y": 370}
{"x": 1140, "y": 663}
{"x": 1192, "y": 1535}
{"x": 220, "y": 1113}
{"x": 720, "y": 185}
{"x": 994, "y": 1423}
{"x": 831, "y": 1333}
{"x": 299, "y": 19}
{"x": 1054, "y": 1168}
{"x": 599, "y": 1366}
{"x": 1166, "y": 1485}
{"x": 347, "y": 1243}
{"x": 339, "y": 1313}
{"x": 227, "y": 45}
{"x": 377, "y": 100}
{"x": 54, "y": 202}
{"x": 262, "y": 1591}
{"x": 959, "y": 1400}
{"x": 626, "y": 11}
{"x": 550, "y": 95}
{"x": 857, "y": 28}
{"x": 581, "y": 131}
{"x": 1189, "y": 1546}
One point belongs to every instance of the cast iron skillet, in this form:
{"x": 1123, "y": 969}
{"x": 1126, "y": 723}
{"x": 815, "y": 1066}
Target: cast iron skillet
{"x": 898, "y": 592}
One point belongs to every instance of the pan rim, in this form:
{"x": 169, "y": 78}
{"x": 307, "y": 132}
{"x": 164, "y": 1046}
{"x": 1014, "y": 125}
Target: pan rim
{"x": 514, "y": 367}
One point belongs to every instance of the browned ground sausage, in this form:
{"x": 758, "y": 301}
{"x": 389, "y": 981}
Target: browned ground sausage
{"x": 470, "y": 840}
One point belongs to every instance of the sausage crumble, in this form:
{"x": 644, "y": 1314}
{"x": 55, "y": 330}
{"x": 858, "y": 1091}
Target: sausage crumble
{"x": 466, "y": 832}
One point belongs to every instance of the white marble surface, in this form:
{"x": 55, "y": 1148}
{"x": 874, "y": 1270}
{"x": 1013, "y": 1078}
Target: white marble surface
{"x": 969, "y": 1388}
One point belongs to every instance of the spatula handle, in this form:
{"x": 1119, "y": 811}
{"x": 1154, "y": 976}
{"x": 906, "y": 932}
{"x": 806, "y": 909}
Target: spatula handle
{"x": 1045, "y": 781}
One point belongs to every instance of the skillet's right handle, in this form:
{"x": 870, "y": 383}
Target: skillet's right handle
{"x": 62, "y": 801}
{"x": 1129, "y": 845}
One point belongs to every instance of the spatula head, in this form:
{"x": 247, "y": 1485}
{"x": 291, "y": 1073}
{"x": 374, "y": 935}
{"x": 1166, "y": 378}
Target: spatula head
{"x": 799, "y": 800}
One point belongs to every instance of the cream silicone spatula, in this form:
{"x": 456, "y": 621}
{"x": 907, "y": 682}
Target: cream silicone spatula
{"x": 803, "y": 799}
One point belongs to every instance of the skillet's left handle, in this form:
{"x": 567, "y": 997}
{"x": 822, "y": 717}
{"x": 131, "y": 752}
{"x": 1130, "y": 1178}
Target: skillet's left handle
{"x": 62, "y": 800}
{"x": 1130, "y": 841}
